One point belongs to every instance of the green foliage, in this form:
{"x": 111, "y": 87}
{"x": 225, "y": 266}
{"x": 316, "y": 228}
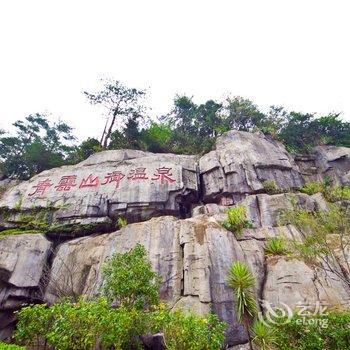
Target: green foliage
{"x": 276, "y": 246}
{"x": 4, "y": 346}
{"x": 184, "y": 331}
{"x": 316, "y": 332}
{"x": 263, "y": 336}
{"x": 88, "y": 324}
{"x": 157, "y": 138}
{"x": 237, "y": 220}
{"x": 130, "y": 281}
{"x": 122, "y": 106}
{"x": 301, "y": 132}
{"x": 36, "y": 145}
{"x": 326, "y": 237}
{"x": 311, "y": 188}
{"x": 17, "y": 231}
{"x": 270, "y": 185}
{"x": 122, "y": 222}
{"x": 338, "y": 193}
{"x": 330, "y": 193}
{"x": 85, "y": 150}
{"x": 242, "y": 281}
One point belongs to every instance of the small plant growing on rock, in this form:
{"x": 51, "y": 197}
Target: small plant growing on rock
{"x": 242, "y": 281}
{"x": 311, "y": 188}
{"x": 263, "y": 336}
{"x": 326, "y": 238}
{"x": 276, "y": 246}
{"x": 237, "y": 220}
{"x": 270, "y": 186}
{"x": 122, "y": 222}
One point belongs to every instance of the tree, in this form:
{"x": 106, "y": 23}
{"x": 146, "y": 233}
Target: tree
{"x": 130, "y": 281}
{"x": 242, "y": 281}
{"x": 36, "y": 145}
{"x": 242, "y": 114}
{"x": 157, "y": 138}
{"x": 301, "y": 132}
{"x": 86, "y": 149}
{"x": 121, "y": 103}
{"x": 194, "y": 127}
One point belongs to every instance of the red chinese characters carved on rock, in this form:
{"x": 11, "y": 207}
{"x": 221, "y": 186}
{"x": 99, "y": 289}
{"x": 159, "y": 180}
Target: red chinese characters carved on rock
{"x": 138, "y": 174}
{"x": 66, "y": 183}
{"x": 163, "y": 175}
{"x": 115, "y": 176}
{"x": 41, "y": 187}
{"x": 90, "y": 181}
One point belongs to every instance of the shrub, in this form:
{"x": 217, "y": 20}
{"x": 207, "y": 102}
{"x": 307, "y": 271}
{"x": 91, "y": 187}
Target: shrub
{"x": 189, "y": 331}
{"x": 339, "y": 193}
{"x": 330, "y": 193}
{"x": 326, "y": 236}
{"x": 130, "y": 281}
{"x": 237, "y": 220}
{"x": 89, "y": 324}
{"x": 276, "y": 246}
{"x": 317, "y": 332}
{"x": 34, "y": 322}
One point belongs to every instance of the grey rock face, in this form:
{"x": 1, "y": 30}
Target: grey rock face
{"x": 334, "y": 162}
{"x": 23, "y": 260}
{"x": 110, "y": 184}
{"x": 191, "y": 255}
{"x": 240, "y": 165}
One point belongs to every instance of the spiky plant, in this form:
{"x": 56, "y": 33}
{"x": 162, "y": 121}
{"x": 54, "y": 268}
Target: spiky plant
{"x": 276, "y": 246}
{"x": 242, "y": 281}
{"x": 263, "y": 336}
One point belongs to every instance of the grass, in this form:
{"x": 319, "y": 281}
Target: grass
{"x": 276, "y": 246}
{"x": 237, "y": 220}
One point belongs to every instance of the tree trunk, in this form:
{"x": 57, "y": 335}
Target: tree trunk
{"x": 247, "y": 327}
{"x": 109, "y": 132}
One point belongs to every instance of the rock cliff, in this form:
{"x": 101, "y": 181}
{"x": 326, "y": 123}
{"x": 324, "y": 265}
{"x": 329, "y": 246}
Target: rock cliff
{"x": 174, "y": 205}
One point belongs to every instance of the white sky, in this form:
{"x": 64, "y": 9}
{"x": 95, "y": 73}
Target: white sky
{"x": 293, "y": 53}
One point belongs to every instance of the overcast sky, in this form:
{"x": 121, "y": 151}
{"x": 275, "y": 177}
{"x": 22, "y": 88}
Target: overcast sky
{"x": 291, "y": 53}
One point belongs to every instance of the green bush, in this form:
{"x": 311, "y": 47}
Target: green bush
{"x": 330, "y": 193}
{"x": 237, "y": 220}
{"x": 276, "y": 246}
{"x": 130, "y": 281}
{"x": 317, "y": 332}
{"x": 132, "y": 287}
{"x": 189, "y": 331}
{"x": 339, "y": 193}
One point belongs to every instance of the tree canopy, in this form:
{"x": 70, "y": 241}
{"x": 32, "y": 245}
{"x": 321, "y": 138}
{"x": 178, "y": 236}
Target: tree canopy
{"x": 188, "y": 128}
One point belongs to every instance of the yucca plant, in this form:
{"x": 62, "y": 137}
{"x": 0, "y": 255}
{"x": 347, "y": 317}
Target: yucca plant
{"x": 276, "y": 246}
{"x": 242, "y": 281}
{"x": 263, "y": 336}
